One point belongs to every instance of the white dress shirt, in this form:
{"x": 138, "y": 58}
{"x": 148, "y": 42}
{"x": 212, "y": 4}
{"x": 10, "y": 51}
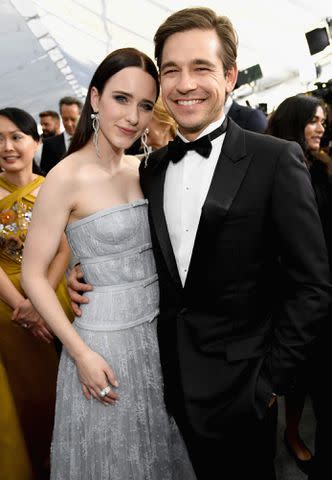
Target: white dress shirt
{"x": 186, "y": 186}
{"x": 67, "y": 139}
{"x": 38, "y": 154}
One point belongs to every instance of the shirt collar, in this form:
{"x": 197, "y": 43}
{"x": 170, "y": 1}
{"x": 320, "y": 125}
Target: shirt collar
{"x": 66, "y": 136}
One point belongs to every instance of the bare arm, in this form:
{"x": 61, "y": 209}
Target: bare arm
{"x": 25, "y": 313}
{"x": 30, "y": 317}
{"x": 42, "y": 242}
{"x": 59, "y": 264}
{"x": 8, "y": 292}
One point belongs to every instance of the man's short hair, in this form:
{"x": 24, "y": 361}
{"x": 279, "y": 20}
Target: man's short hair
{"x": 50, "y": 113}
{"x": 203, "y": 19}
{"x": 70, "y": 101}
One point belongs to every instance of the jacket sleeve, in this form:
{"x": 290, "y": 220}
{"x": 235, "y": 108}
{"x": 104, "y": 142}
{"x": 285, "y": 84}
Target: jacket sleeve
{"x": 45, "y": 157}
{"x": 306, "y": 289}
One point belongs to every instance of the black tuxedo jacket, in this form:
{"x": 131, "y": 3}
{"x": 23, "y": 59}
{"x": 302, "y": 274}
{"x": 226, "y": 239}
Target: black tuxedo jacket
{"x": 249, "y": 118}
{"x": 54, "y": 149}
{"x": 257, "y": 287}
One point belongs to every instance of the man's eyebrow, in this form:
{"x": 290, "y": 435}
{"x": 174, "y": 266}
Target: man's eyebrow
{"x": 202, "y": 61}
{"x": 167, "y": 65}
{"x": 196, "y": 61}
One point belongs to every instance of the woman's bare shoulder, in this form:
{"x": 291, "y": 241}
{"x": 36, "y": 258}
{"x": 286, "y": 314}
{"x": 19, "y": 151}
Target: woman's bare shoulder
{"x": 71, "y": 169}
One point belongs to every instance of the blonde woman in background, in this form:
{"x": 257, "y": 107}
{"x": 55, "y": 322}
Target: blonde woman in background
{"x": 161, "y": 128}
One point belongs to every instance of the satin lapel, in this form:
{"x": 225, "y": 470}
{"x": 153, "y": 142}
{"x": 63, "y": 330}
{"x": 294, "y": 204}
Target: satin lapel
{"x": 227, "y": 178}
{"x": 229, "y": 172}
{"x": 156, "y": 203}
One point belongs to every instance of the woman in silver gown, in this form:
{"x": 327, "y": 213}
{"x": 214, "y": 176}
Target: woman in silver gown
{"x": 111, "y": 423}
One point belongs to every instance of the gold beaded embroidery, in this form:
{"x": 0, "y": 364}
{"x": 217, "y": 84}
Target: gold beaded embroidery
{"x": 14, "y": 224}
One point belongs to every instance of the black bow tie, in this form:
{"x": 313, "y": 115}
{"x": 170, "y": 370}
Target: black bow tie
{"x": 178, "y": 148}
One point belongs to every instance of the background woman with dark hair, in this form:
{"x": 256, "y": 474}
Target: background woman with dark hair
{"x": 302, "y": 119}
{"x": 110, "y": 420}
{"x": 28, "y": 357}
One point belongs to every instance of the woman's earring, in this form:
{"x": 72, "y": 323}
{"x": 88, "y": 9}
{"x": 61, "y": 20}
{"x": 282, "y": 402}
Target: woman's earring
{"x": 95, "y": 126}
{"x": 146, "y": 148}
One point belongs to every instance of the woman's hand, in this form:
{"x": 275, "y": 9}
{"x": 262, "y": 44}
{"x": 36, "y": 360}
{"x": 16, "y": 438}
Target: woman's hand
{"x": 27, "y": 317}
{"x": 25, "y": 314}
{"x": 95, "y": 376}
{"x": 42, "y": 331}
{"x": 75, "y": 287}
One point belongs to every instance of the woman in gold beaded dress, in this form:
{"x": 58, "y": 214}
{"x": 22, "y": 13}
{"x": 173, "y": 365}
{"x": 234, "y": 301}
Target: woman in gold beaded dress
{"x": 28, "y": 358}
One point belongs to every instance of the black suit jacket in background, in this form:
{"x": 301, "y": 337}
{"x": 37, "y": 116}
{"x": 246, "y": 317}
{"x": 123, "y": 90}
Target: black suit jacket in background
{"x": 249, "y": 118}
{"x": 257, "y": 287}
{"x": 54, "y": 149}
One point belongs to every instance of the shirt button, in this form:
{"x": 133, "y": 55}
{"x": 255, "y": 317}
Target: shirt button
{"x": 187, "y": 188}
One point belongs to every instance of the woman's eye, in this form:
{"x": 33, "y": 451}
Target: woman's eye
{"x": 147, "y": 106}
{"x": 120, "y": 98}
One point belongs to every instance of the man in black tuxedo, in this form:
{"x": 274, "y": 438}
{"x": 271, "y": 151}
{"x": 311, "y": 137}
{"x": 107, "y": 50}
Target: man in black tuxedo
{"x": 55, "y": 147}
{"x": 252, "y": 119}
{"x": 240, "y": 254}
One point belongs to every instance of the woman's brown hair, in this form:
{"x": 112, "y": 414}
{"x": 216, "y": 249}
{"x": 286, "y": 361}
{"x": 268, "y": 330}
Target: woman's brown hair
{"x": 112, "y": 64}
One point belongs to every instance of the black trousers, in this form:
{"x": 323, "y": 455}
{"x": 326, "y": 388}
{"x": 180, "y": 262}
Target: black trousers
{"x": 244, "y": 453}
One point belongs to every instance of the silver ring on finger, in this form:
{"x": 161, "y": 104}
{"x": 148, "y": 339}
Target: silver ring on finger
{"x": 105, "y": 391}
{"x": 25, "y": 325}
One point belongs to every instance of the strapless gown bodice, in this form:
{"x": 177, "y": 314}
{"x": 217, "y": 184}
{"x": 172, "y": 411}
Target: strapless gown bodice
{"x": 118, "y": 261}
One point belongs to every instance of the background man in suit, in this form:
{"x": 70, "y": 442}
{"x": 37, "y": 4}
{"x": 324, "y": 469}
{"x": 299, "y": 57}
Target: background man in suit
{"x": 50, "y": 123}
{"x": 240, "y": 255}
{"x": 252, "y": 119}
{"x": 54, "y": 148}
